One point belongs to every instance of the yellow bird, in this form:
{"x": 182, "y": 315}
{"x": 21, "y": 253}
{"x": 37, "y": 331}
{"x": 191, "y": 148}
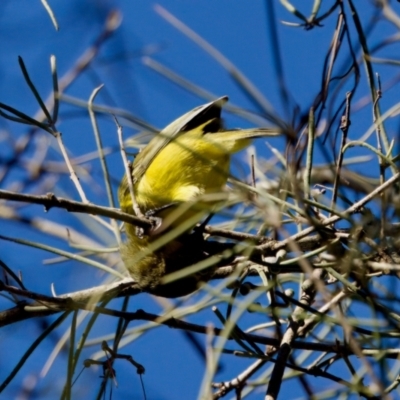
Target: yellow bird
{"x": 177, "y": 178}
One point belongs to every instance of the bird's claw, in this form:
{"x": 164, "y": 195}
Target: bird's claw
{"x": 155, "y": 224}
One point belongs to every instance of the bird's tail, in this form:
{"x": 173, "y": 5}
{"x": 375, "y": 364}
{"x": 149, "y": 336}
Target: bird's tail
{"x": 251, "y": 133}
{"x": 234, "y": 140}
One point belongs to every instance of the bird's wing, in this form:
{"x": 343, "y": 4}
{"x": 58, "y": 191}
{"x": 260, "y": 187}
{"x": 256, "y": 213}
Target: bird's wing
{"x": 186, "y": 122}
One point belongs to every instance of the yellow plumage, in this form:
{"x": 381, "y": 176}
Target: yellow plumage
{"x": 182, "y": 166}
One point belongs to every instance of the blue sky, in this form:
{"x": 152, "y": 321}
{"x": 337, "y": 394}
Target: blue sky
{"x": 240, "y": 31}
